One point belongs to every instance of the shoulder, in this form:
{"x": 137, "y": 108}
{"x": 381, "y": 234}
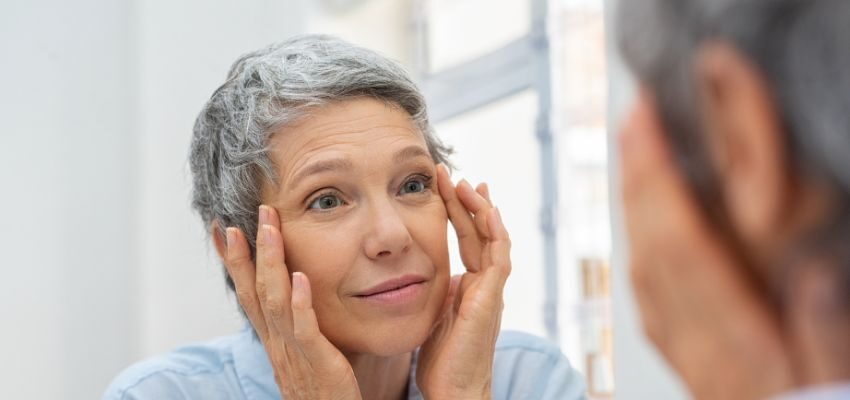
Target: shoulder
{"x": 517, "y": 341}
{"x": 180, "y": 373}
{"x": 529, "y": 367}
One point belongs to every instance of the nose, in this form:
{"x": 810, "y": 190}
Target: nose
{"x": 387, "y": 234}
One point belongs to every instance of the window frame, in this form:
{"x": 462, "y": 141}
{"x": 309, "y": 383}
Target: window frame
{"x": 520, "y": 65}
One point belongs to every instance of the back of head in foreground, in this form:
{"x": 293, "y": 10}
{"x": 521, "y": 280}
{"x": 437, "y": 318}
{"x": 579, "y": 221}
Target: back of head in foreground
{"x": 753, "y": 97}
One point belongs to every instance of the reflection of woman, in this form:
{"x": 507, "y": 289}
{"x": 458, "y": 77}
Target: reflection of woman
{"x": 316, "y": 168}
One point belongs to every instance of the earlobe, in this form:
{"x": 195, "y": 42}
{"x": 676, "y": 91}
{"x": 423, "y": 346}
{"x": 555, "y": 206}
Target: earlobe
{"x": 218, "y": 239}
{"x": 744, "y": 138}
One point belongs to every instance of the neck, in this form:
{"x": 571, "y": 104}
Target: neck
{"x": 381, "y": 377}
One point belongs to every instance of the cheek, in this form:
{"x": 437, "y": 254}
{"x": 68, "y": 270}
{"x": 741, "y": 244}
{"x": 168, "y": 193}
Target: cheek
{"x": 307, "y": 251}
{"x": 428, "y": 229}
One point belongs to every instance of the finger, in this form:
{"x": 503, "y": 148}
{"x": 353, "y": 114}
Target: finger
{"x": 654, "y": 194}
{"x": 500, "y": 244}
{"x": 650, "y": 308}
{"x": 481, "y": 221}
{"x": 484, "y": 191}
{"x": 486, "y": 260}
{"x": 310, "y": 339}
{"x": 269, "y": 216}
{"x": 481, "y": 304}
{"x": 273, "y": 286}
{"x": 241, "y": 269}
{"x": 657, "y": 210}
{"x": 451, "y": 295}
{"x": 467, "y": 235}
{"x": 475, "y": 204}
{"x": 272, "y": 218}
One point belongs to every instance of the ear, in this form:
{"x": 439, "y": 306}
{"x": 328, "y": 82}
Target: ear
{"x": 219, "y": 240}
{"x": 745, "y": 141}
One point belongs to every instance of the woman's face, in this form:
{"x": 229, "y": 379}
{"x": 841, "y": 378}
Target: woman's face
{"x": 362, "y": 218}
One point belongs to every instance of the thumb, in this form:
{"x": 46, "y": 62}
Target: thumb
{"x": 315, "y": 346}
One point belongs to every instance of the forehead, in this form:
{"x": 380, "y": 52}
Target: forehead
{"x": 356, "y": 127}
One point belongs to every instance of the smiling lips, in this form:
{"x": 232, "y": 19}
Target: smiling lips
{"x": 394, "y": 291}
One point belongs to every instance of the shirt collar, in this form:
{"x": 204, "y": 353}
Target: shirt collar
{"x": 257, "y": 378}
{"x": 830, "y": 391}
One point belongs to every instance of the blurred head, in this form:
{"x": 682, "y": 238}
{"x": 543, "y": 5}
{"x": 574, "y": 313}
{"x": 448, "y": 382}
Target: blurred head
{"x": 754, "y": 98}
{"x": 337, "y": 139}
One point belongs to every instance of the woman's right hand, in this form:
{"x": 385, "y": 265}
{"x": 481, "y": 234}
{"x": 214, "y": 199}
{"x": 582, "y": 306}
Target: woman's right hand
{"x": 696, "y": 303}
{"x": 306, "y": 365}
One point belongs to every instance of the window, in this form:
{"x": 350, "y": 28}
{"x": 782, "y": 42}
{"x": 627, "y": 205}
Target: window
{"x": 523, "y": 102}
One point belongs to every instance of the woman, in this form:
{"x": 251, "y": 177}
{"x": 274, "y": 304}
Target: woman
{"x": 736, "y": 190}
{"x": 326, "y": 194}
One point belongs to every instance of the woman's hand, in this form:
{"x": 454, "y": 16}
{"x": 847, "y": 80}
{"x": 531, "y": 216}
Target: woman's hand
{"x": 306, "y": 365}
{"x": 456, "y": 362}
{"x": 697, "y": 307}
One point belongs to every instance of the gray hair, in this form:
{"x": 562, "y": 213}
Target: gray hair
{"x": 269, "y": 89}
{"x": 800, "y": 46}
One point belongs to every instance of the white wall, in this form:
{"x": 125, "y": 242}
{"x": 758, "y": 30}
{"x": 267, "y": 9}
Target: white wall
{"x": 67, "y": 166}
{"x": 185, "y": 49}
{"x": 638, "y": 370}
{"x": 103, "y": 261}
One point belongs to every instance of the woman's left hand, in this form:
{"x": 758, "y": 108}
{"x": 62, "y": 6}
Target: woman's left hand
{"x": 456, "y": 362}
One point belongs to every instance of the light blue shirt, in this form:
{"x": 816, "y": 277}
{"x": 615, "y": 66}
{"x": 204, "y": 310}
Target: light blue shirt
{"x": 833, "y": 391}
{"x": 236, "y": 367}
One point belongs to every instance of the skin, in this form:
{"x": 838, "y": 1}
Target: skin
{"x": 376, "y": 233}
{"x": 703, "y": 302}
{"x": 365, "y": 218}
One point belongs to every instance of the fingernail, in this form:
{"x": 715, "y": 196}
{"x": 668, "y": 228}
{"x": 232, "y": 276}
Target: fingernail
{"x": 230, "y": 233}
{"x": 486, "y": 190}
{"x": 445, "y": 169}
{"x": 465, "y": 184}
{"x": 264, "y": 214}
{"x": 267, "y": 233}
{"x": 498, "y": 215}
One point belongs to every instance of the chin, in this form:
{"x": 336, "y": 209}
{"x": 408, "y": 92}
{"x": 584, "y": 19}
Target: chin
{"x": 403, "y": 339}
{"x": 394, "y": 337}
{"x": 386, "y": 337}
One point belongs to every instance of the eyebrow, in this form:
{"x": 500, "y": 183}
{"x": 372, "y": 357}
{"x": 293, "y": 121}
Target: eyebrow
{"x": 341, "y": 164}
{"x": 409, "y": 152}
{"x": 318, "y": 167}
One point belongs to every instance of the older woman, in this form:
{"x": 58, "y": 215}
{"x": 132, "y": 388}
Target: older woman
{"x": 327, "y": 198}
{"x": 739, "y": 229}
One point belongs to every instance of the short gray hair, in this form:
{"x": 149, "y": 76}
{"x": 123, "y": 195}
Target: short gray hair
{"x": 268, "y": 89}
{"x": 801, "y": 48}
{"x": 800, "y": 45}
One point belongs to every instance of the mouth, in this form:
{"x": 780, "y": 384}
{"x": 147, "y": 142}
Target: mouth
{"x": 397, "y": 290}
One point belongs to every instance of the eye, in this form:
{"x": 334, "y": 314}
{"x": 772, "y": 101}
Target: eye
{"x": 415, "y": 185}
{"x": 325, "y": 202}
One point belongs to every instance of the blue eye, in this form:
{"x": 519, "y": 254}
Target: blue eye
{"x": 325, "y": 202}
{"x": 415, "y": 185}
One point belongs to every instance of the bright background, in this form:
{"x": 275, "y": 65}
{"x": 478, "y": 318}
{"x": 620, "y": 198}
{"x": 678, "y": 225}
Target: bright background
{"x": 106, "y": 264}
